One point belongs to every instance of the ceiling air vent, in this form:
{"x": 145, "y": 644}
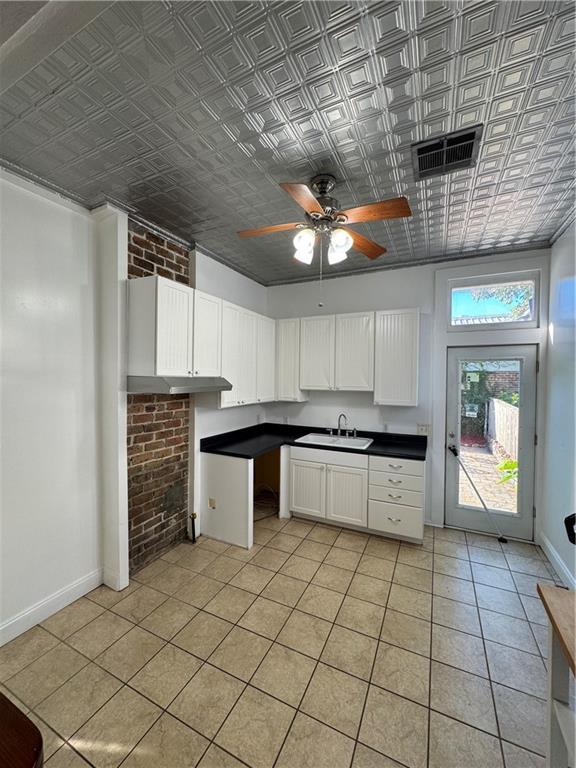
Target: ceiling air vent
{"x": 444, "y": 154}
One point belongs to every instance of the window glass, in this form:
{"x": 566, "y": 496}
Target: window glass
{"x": 493, "y": 303}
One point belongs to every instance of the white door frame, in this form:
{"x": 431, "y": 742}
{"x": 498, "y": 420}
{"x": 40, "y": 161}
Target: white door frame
{"x": 518, "y": 525}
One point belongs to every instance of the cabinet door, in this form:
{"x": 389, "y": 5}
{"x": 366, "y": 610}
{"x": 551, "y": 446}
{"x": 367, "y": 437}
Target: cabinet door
{"x": 207, "y": 335}
{"x": 230, "y": 353}
{"x": 247, "y": 356}
{"x": 266, "y": 360}
{"x": 396, "y": 357}
{"x": 347, "y": 495}
{"x": 174, "y": 328}
{"x": 288, "y": 360}
{"x": 355, "y": 351}
{"x": 308, "y": 488}
{"x": 317, "y": 352}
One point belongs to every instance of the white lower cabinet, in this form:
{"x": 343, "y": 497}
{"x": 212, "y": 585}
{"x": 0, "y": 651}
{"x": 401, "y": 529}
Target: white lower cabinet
{"x": 347, "y": 495}
{"x": 308, "y": 488}
{"x": 396, "y": 497}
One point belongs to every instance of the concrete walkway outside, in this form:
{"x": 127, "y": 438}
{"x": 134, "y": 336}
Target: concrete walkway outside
{"x": 483, "y": 467}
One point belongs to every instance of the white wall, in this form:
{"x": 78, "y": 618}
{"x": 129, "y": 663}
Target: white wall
{"x": 559, "y": 491}
{"x": 50, "y": 549}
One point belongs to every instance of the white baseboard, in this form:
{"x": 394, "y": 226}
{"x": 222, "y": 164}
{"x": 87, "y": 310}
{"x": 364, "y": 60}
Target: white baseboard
{"x": 559, "y": 565}
{"x": 51, "y": 604}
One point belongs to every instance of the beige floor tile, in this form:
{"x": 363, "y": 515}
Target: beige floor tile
{"x": 313, "y": 550}
{"x": 516, "y": 757}
{"x": 51, "y": 741}
{"x": 114, "y": 730}
{"x": 376, "y": 567}
{"x": 493, "y": 577}
{"x": 481, "y": 540}
{"x": 213, "y": 545}
{"x": 487, "y": 557}
{"x": 350, "y": 652}
{"x": 454, "y": 589}
{"x": 453, "y": 566}
{"x": 150, "y": 571}
{"x": 416, "y": 578}
{"x": 202, "y": 634}
{"x": 73, "y": 617}
{"x": 451, "y": 549}
{"x": 199, "y": 591}
{"x": 449, "y": 534}
{"x": 140, "y": 603}
{"x": 217, "y": 758}
{"x": 311, "y": 744}
{"x": 542, "y": 638}
{"x": 361, "y": 616}
{"x": 284, "y": 589}
{"x": 522, "y": 548}
{"x": 334, "y": 578}
{"x": 499, "y": 600}
{"x": 508, "y": 630}
{"x": 532, "y": 566}
{"x": 230, "y": 603}
{"x": 273, "y": 559}
{"x": 324, "y": 534}
{"x": 243, "y": 554}
{"x": 353, "y": 541}
{"x": 456, "y": 615}
{"x": 130, "y": 653}
{"x": 343, "y": 558}
{"x": 305, "y": 633}
{"x": 252, "y": 578}
{"x": 410, "y": 601}
{"x": 41, "y": 678}
{"x": 380, "y": 547}
{"x": 263, "y": 536}
{"x": 197, "y": 559}
{"x": 70, "y": 706}
{"x": 223, "y": 569}
{"x": 23, "y": 650}
{"x": 298, "y": 528}
{"x": 459, "y": 649}
{"x": 406, "y": 632}
{"x": 370, "y": 589}
{"x": 284, "y": 542}
{"x": 255, "y": 729}
{"x": 168, "y": 744}
{"x": 206, "y": 700}
{"x": 107, "y": 597}
{"x": 534, "y": 610}
{"x": 274, "y": 523}
{"x": 463, "y": 696}
{"x": 240, "y": 653}
{"x": 14, "y": 699}
{"x": 517, "y": 669}
{"x": 284, "y": 674}
{"x": 402, "y": 672}
{"x": 165, "y": 675}
{"x": 415, "y": 556}
{"x": 364, "y": 757}
{"x": 300, "y": 568}
{"x": 265, "y": 617}
{"x": 95, "y": 637}
{"x": 321, "y": 602}
{"x": 171, "y": 579}
{"x": 169, "y": 618}
{"x": 526, "y": 584}
{"x": 335, "y": 698}
{"x": 522, "y": 718}
{"x": 66, "y": 758}
{"x": 174, "y": 554}
{"x": 453, "y": 745}
{"x": 395, "y": 726}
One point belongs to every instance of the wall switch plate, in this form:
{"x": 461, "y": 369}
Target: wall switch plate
{"x": 423, "y": 429}
{"x": 211, "y": 503}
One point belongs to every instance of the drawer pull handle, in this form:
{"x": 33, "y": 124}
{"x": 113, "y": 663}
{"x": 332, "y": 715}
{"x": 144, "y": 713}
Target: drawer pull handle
{"x": 395, "y": 466}
{"x": 395, "y": 519}
{"x": 395, "y": 497}
{"x": 394, "y": 482}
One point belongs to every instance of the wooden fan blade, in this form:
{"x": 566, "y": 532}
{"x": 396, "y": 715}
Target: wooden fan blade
{"x": 395, "y": 208}
{"x": 267, "y": 230}
{"x": 364, "y": 245}
{"x": 302, "y": 194}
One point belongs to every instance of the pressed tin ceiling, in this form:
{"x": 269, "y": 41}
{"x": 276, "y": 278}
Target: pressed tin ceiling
{"x": 191, "y": 113}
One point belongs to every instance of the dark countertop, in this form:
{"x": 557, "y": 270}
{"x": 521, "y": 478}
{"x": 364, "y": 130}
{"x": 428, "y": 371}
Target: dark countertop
{"x": 250, "y": 442}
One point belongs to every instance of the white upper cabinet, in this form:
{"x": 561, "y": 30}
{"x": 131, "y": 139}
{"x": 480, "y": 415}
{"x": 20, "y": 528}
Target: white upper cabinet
{"x": 266, "y": 360}
{"x": 207, "y": 353}
{"x": 230, "y": 353}
{"x": 288, "y": 360}
{"x": 317, "y": 350}
{"x": 248, "y": 355}
{"x": 354, "y": 358}
{"x": 160, "y": 327}
{"x": 396, "y": 357}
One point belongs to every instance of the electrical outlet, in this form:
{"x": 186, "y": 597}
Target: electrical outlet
{"x": 211, "y": 503}
{"x": 423, "y": 429}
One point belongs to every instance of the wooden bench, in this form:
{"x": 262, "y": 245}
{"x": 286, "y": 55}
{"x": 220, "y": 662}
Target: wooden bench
{"x": 20, "y": 739}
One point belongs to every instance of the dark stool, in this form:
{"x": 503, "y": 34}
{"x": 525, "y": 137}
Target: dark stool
{"x": 20, "y": 740}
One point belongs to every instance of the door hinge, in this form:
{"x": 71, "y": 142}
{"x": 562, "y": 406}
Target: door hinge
{"x": 535, "y": 439}
{"x": 533, "y": 511}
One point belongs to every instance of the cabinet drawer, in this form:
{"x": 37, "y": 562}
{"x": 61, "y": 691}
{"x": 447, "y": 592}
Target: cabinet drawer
{"x": 395, "y": 496}
{"x": 400, "y": 482}
{"x": 396, "y": 519}
{"x": 402, "y": 466}
{"x": 336, "y": 458}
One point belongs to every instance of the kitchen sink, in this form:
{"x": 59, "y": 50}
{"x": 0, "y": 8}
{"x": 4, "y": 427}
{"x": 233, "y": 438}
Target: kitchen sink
{"x": 334, "y": 441}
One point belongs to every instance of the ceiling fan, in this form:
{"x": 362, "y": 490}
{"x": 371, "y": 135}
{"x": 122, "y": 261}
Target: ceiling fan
{"x": 325, "y": 217}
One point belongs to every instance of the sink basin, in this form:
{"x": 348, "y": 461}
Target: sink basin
{"x": 333, "y": 441}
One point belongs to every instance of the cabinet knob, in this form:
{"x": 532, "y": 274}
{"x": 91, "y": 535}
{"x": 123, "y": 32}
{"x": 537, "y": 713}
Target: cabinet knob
{"x": 196, "y": 372}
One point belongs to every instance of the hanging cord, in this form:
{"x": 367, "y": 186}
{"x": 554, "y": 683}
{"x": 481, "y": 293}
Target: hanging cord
{"x": 321, "y": 302}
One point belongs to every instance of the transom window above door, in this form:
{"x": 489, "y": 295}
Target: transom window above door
{"x": 497, "y": 301}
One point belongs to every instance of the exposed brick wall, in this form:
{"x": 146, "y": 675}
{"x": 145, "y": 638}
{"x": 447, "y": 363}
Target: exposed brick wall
{"x": 158, "y": 426}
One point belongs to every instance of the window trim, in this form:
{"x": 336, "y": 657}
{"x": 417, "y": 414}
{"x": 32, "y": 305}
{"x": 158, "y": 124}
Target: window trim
{"x": 481, "y": 281}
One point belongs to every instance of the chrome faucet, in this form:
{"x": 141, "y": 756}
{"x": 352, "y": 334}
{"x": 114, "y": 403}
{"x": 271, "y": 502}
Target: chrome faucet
{"x": 340, "y": 417}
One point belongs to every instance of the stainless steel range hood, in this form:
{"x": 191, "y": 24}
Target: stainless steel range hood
{"x": 176, "y": 385}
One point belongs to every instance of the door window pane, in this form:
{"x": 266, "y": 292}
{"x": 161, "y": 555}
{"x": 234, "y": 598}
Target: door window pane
{"x": 493, "y": 304}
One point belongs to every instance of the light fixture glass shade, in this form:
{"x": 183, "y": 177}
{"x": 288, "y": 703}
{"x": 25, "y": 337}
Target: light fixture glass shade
{"x": 336, "y": 255}
{"x": 304, "y": 239}
{"x": 340, "y": 239}
{"x": 305, "y": 255}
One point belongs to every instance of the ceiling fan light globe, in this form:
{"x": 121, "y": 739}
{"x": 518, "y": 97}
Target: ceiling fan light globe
{"x": 304, "y": 239}
{"x": 341, "y": 240}
{"x": 304, "y": 255}
{"x": 336, "y": 255}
